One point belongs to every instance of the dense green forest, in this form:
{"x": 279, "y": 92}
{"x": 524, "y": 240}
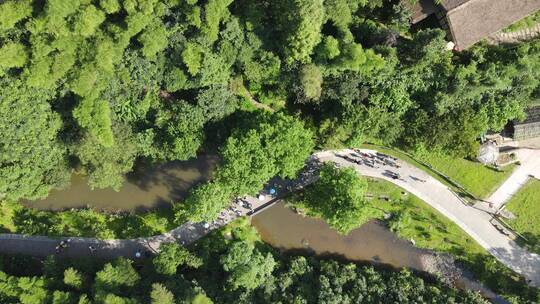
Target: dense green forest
{"x": 92, "y": 86}
{"x": 230, "y": 266}
{"x": 111, "y": 81}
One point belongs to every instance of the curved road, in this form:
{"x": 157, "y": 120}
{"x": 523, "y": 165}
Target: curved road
{"x": 473, "y": 221}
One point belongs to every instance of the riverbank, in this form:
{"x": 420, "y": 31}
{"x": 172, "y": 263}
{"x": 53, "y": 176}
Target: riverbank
{"x": 142, "y": 208}
{"x": 487, "y": 269}
{"x": 148, "y": 187}
{"x": 371, "y": 243}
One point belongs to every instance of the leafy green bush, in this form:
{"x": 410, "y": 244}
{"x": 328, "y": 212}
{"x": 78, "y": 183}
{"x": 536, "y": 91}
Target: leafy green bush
{"x": 338, "y": 198}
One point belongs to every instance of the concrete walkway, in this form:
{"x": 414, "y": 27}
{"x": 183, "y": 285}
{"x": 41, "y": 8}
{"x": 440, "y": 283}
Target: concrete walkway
{"x": 530, "y": 167}
{"x": 472, "y": 221}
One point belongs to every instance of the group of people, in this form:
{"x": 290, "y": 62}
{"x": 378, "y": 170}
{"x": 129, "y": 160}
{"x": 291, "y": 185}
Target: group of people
{"x": 234, "y": 210}
{"x": 373, "y": 160}
{"x": 64, "y": 244}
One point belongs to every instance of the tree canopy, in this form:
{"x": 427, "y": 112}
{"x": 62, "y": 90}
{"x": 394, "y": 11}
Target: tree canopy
{"x": 271, "y": 145}
{"x": 154, "y": 76}
{"x": 338, "y": 198}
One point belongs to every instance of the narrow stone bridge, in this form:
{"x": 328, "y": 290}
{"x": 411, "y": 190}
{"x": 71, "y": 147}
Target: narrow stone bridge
{"x": 473, "y": 221}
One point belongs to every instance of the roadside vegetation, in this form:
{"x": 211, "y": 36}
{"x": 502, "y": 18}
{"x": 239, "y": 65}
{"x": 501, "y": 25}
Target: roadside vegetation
{"x": 477, "y": 178}
{"x": 91, "y": 86}
{"x": 525, "y": 205}
{"x": 341, "y": 194}
{"x": 229, "y": 266}
{"x": 16, "y": 218}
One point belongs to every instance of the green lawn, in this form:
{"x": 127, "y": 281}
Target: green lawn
{"x": 414, "y": 219}
{"x": 526, "y": 206}
{"x": 473, "y": 176}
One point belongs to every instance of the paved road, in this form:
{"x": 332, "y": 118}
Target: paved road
{"x": 471, "y": 220}
{"x": 185, "y": 234}
{"x": 530, "y": 167}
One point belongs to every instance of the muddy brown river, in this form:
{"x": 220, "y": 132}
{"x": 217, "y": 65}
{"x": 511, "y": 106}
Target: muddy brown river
{"x": 287, "y": 230}
{"x": 157, "y": 186}
{"x": 283, "y": 228}
{"x": 145, "y": 188}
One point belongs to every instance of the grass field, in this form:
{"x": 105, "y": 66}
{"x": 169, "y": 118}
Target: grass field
{"x": 526, "y": 206}
{"x": 473, "y": 176}
{"x": 414, "y": 219}
{"x": 418, "y": 221}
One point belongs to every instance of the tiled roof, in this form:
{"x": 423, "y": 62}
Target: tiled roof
{"x": 470, "y": 21}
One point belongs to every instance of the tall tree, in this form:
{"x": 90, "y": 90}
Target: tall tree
{"x": 161, "y": 295}
{"x": 32, "y": 159}
{"x": 338, "y": 198}
{"x": 247, "y": 267}
{"x": 171, "y": 256}
{"x": 302, "y": 21}
{"x": 106, "y": 166}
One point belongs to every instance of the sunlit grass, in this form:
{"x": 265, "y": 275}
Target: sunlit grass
{"x": 526, "y": 206}
{"x": 413, "y": 219}
{"x": 416, "y": 220}
{"x": 473, "y": 176}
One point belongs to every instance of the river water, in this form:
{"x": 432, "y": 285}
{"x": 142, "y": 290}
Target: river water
{"x": 373, "y": 242}
{"x": 287, "y": 230}
{"x": 157, "y": 186}
{"x": 146, "y": 188}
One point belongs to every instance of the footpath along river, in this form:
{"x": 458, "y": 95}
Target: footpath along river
{"x": 157, "y": 186}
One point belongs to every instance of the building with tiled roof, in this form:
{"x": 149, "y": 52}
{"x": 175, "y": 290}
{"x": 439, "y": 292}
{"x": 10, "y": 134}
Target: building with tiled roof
{"x": 469, "y": 21}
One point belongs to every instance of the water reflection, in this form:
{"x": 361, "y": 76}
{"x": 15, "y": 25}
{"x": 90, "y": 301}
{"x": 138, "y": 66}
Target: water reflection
{"x": 283, "y": 228}
{"x": 147, "y": 187}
